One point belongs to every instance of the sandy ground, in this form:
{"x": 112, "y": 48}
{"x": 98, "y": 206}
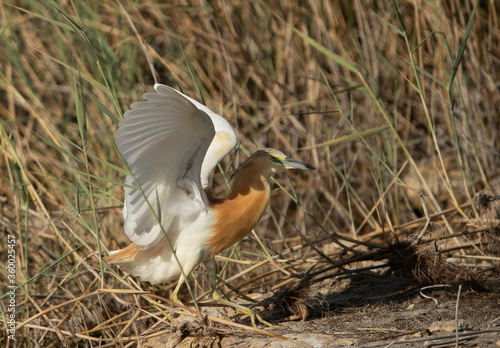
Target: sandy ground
{"x": 366, "y": 312}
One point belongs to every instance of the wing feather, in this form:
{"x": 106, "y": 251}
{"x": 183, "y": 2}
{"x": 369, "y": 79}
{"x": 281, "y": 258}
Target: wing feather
{"x": 164, "y": 141}
{"x": 223, "y": 142}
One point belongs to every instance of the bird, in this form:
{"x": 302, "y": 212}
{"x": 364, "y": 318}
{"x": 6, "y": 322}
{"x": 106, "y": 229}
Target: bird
{"x": 171, "y": 143}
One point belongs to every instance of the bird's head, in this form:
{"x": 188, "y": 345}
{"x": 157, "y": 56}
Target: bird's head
{"x": 269, "y": 161}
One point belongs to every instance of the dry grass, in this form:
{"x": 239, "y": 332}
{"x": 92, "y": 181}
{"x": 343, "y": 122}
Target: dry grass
{"x": 410, "y": 90}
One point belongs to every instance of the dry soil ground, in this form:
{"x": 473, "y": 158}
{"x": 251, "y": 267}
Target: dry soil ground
{"x": 368, "y": 312}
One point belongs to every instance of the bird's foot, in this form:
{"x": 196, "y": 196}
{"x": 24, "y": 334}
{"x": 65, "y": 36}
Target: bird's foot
{"x": 175, "y": 299}
{"x": 241, "y": 309}
{"x": 182, "y": 308}
{"x": 253, "y": 314}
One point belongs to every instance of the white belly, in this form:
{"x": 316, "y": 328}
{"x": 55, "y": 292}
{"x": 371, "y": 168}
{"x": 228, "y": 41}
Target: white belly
{"x": 160, "y": 264}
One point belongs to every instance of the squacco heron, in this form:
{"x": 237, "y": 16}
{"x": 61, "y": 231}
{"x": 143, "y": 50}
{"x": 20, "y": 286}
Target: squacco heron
{"x": 171, "y": 144}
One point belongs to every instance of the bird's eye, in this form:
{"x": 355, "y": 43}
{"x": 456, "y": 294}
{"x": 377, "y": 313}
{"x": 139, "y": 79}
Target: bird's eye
{"x": 273, "y": 158}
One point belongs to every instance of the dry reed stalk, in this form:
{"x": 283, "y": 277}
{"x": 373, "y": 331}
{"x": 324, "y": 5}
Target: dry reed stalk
{"x": 390, "y": 83}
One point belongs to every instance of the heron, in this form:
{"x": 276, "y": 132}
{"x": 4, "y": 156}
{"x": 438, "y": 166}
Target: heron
{"x": 171, "y": 144}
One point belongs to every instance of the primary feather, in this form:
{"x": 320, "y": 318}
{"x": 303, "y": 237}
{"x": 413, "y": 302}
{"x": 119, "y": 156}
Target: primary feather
{"x": 223, "y": 142}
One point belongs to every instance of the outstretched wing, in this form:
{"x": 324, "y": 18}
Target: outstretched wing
{"x": 224, "y": 141}
{"x": 163, "y": 140}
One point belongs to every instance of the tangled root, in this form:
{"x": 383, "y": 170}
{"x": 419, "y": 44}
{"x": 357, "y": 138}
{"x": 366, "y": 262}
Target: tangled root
{"x": 296, "y": 300}
{"x": 421, "y": 264}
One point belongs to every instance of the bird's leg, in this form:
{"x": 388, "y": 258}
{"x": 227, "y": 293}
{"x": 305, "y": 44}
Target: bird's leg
{"x": 175, "y": 297}
{"x": 211, "y": 268}
{"x": 187, "y": 269}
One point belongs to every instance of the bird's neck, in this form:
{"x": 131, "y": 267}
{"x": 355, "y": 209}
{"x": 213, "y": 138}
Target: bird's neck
{"x": 237, "y": 215}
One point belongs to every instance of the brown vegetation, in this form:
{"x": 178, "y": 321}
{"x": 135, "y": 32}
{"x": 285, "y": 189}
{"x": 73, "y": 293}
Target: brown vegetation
{"x": 396, "y": 105}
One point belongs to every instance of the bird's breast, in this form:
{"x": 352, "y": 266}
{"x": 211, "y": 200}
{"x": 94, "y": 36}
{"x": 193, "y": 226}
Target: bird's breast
{"x": 235, "y": 217}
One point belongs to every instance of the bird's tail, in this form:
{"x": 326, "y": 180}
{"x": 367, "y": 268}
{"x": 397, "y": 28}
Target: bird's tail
{"x": 121, "y": 256}
{"x": 154, "y": 264}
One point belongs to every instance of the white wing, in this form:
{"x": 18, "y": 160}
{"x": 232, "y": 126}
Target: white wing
{"x": 164, "y": 141}
{"x": 224, "y": 141}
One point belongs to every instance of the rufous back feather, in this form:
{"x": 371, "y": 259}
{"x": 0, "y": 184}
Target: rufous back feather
{"x": 239, "y": 213}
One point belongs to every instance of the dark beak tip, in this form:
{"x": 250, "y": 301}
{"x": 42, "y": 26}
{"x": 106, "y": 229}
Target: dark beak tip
{"x": 310, "y": 167}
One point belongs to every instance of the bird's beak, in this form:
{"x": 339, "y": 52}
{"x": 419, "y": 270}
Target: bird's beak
{"x": 290, "y": 163}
